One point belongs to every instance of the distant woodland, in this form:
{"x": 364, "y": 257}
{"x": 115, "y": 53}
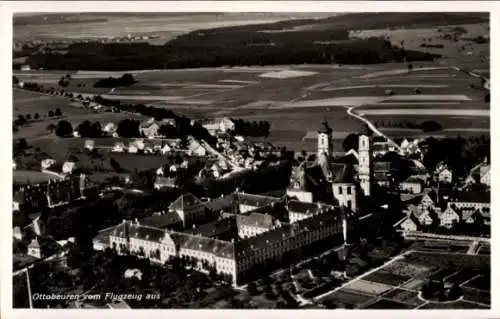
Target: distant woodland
{"x": 322, "y": 41}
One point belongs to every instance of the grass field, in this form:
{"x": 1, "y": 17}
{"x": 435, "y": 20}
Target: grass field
{"x": 297, "y": 105}
{"x": 396, "y": 285}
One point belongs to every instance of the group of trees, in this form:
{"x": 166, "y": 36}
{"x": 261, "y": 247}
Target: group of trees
{"x": 459, "y": 154}
{"x": 89, "y": 129}
{"x": 125, "y": 80}
{"x": 27, "y": 118}
{"x": 220, "y": 47}
{"x": 254, "y": 129}
{"x": 435, "y": 290}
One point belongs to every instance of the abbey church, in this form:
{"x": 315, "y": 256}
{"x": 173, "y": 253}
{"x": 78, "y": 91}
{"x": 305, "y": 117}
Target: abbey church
{"x": 340, "y": 181}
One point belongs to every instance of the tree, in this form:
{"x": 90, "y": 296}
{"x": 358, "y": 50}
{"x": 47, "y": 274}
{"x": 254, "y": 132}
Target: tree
{"x": 20, "y": 145}
{"x": 84, "y": 129}
{"x": 20, "y": 120}
{"x": 51, "y": 128}
{"x": 51, "y": 113}
{"x": 351, "y": 142}
{"x": 58, "y": 112}
{"x": 487, "y": 98}
{"x": 37, "y": 116}
{"x": 64, "y": 129}
{"x": 410, "y": 67}
{"x": 28, "y": 117}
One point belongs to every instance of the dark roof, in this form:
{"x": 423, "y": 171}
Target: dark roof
{"x": 378, "y": 139}
{"x": 163, "y": 220}
{"x": 255, "y": 200}
{"x": 470, "y": 196}
{"x": 215, "y": 228}
{"x": 349, "y": 159}
{"x": 221, "y": 203}
{"x": 303, "y": 207}
{"x": 138, "y": 231}
{"x": 185, "y": 201}
{"x": 246, "y": 246}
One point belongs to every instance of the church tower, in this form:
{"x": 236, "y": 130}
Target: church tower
{"x": 364, "y": 167}
{"x": 325, "y": 143}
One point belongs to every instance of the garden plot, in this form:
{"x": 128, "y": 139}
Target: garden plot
{"x": 403, "y": 268}
{"x": 286, "y": 74}
{"x": 369, "y": 287}
{"x": 348, "y": 297}
{"x": 384, "y": 277}
{"x": 404, "y": 296}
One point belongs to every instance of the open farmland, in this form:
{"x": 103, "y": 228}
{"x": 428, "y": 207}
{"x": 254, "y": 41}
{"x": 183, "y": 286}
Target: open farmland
{"x": 464, "y": 51}
{"x": 396, "y": 285}
{"x": 296, "y": 105}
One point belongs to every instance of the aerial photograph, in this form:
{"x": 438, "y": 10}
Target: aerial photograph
{"x": 251, "y": 160}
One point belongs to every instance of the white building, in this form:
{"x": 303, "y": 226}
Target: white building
{"x": 364, "y": 166}
{"x": 47, "y": 163}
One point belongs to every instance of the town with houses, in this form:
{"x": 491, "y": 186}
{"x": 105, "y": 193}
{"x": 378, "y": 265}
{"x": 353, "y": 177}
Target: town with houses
{"x": 133, "y": 206}
{"x": 245, "y": 236}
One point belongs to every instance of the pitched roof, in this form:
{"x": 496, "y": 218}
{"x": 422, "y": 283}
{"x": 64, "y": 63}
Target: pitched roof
{"x": 215, "y": 228}
{"x": 413, "y": 218}
{"x": 255, "y": 220}
{"x": 162, "y": 221}
{"x": 303, "y": 207}
{"x": 210, "y": 245}
{"x": 34, "y": 243}
{"x": 272, "y": 237}
{"x": 185, "y": 201}
{"x": 255, "y": 200}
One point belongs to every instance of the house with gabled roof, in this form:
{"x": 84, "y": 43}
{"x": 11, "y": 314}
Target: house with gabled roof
{"x": 34, "y": 248}
{"x": 480, "y": 174}
{"x": 430, "y": 199}
{"x": 443, "y": 173}
{"x": 118, "y": 147}
{"x": 411, "y": 223}
{"x": 449, "y": 217}
{"x": 425, "y": 216}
